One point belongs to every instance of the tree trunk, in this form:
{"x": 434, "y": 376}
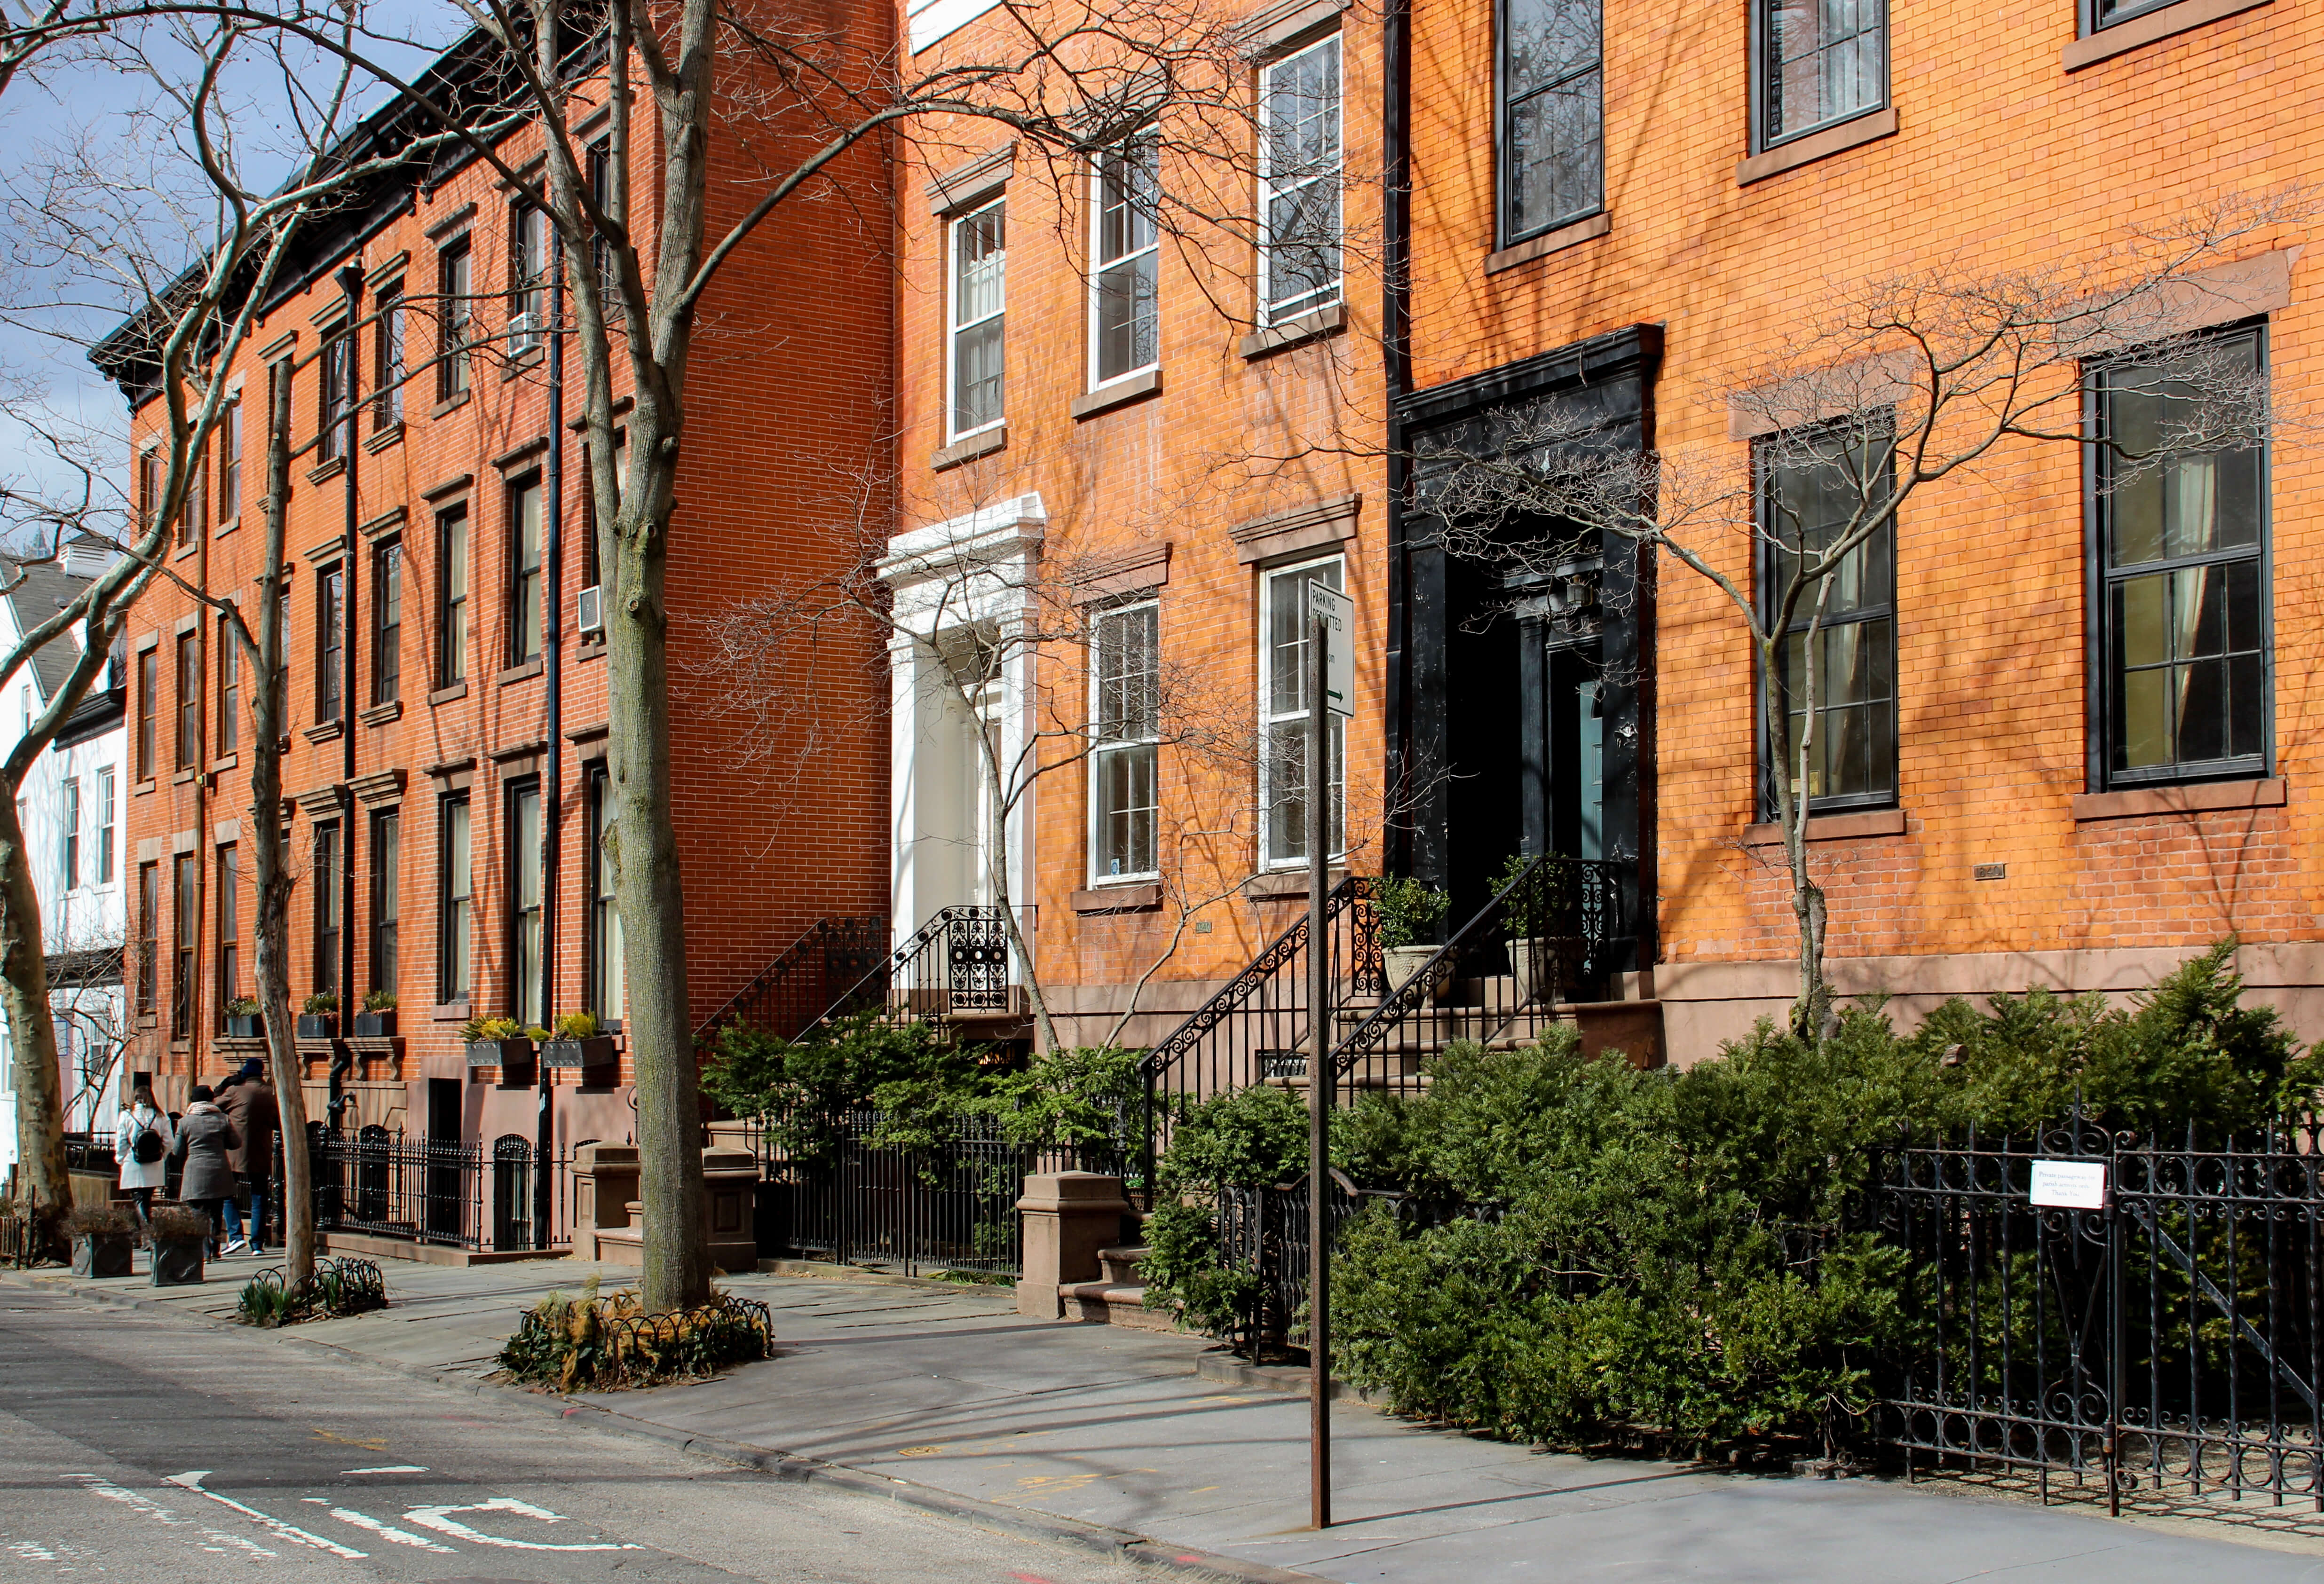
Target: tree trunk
{"x": 271, "y": 958}
{"x": 43, "y": 1183}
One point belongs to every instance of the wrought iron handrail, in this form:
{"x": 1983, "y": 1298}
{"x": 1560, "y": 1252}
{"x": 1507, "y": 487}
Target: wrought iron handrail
{"x": 984, "y": 927}
{"x": 1552, "y": 929}
{"x": 852, "y": 939}
{"x": 1286, "y": 951}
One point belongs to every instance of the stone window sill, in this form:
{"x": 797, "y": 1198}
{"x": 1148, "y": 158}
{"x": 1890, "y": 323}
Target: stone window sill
{"x": 446, "y": 694}
{"x": 328, "y": 470}
{"x": 1550, "y": 242}
{"x": 1282, "y": 885}
{"x": 143, "y": 787}
{"x": 1141, "y": 897}
{"x": 522, "y": 360}
{"x": 183, "y": 777}
{"x": 224, "y": 763}
{"x": 1804, "y": 151}
{"x": 185, "y": 550}
{"x": 518, "y": 673}
{"x": 1294, "y": 332}
{"x": 328, "y": 732}
{"x": 225, "y": 527}
{"x": 1119, "y": 394}
{"x": 452, "y": 404}
{"x": 380, "y": 714}
{"x": 2135, "y": 801}
{"x": 983, "y": 442}
{"x": 449, "y": 1012}
{"x": 2153, "y": 26}
{"x": 391, "y": 436}
{"x": 1832, "y": 827}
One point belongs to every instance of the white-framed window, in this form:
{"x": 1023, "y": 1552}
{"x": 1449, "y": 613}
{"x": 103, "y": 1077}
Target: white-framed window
{"x": 69, "y": 852}
{"x": 1125, "y": 250}
{"x": 1283, "y": 716}
{"x": 980, "y": 305}
{"x": 1126, "y": 729}
{"x": 1299, "y": 183}
{"x": 105, "y": 826}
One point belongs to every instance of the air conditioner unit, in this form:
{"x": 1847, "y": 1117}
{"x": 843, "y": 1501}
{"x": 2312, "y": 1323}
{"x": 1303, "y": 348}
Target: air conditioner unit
{"x": 588, "y": 615}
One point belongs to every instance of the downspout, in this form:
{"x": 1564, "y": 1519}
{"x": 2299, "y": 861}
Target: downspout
{"x": 1395, "y": 349}
{"x": 351, "y": 283}
{"x": 553, "y": 775}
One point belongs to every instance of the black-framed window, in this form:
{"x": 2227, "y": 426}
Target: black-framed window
{"x": 600, "y": 255}
{"x": 229, "y": 672}
{"x": 455, "y": 898}
{"x": 1552, "y": 121}
{"x": 229, "y": 444}
{"x": 526, "y": 582}
{"x": 1816, "y": 63}
{"x": 455, "y": 313}
{"x": 189, "y": 699}
{"x": 387, "y": 364}
{"x": 387, "y": 623}
{"x": 527, "y": 283}
{"x": 149, "y": 707}
{"x": 521, "y": 828}
{"x": 452, "y": 597}
{"x": 335, "y": 396}
{"x": 2096, "y": 14}
{"x": 2185, "y": 645}
{"x": 330, "y": 642}
{"x": 386, "y": 895}
{"x": 607, "y": 991}
{"x": 330, "y": 903}
{"x": 1815, "y": 489}
{"x": 229, "y": 928}
{"x": 185, "y": 932}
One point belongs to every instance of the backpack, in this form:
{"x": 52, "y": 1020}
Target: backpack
{"x": 146, "y": 1147}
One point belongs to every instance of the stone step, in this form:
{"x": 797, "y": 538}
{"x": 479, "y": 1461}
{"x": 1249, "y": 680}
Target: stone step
{"x": 1113, "y": 1303}
{"x": 1120, "y": 1264}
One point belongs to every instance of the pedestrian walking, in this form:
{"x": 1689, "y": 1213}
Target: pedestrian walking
{"x": 249, "y": 1102}
{"x": 141, "y": 1142}
{"x": 205, "y": 1134}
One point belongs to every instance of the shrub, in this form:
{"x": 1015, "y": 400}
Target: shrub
{"x": 575, "y": 1344}
{"x": 338, "y": 1287}
{"x": 320, "y": 1003}
{"x": 173, "y": 1222}
{"x": 110, "y": 1219}
{"x": 1252, "y": 1138}
{"x": 380, "y": 1000}
{"x": 805, "y": 1088}
{"x": 576, "y": 1025}
{"x": 243, "y": 1007}
{"x": 484, "y": 1030}
{"x": 1407, "y": 909}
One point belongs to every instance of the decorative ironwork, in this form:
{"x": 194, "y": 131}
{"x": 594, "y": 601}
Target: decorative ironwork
{"x": 976, "y": 959}
{"x": 1264, "y": 1231}
{"x": 958, "y": 962}
{"x": 512, "y": 1192}
{"x": 797, "y": 988}
{"x": 337, "y": 1287}
{"x": 2171, "y": 1341}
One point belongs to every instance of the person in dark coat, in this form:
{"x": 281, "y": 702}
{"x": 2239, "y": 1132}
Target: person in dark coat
{"x": 204, "y": 1138}
{"x": 250, "y": 1103}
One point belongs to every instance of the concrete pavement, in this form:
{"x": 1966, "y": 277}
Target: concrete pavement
{"x": 951, "y": 1391}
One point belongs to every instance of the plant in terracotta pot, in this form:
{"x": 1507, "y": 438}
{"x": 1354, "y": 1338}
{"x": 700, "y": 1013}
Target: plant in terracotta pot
{"x": 504, "y": 1043}
{"x": 577, "y": 1043}
{"x": 244, "y": 1018}
{"x": 181, "y": 1238}
{"x": 377, "y": 1018}
{"x": 1408, "y": 910}
{"x": 318, "y": 1018}
{"x": 103, "y": 1238}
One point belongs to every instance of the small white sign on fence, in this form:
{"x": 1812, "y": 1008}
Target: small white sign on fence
{"x": 2069, "y": 1185}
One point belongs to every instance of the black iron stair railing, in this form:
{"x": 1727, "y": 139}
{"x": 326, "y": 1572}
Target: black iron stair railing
{"x": 957, "y": 963}
{"x": 796, "y": 988}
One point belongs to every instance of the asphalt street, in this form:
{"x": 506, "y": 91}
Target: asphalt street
{"x": 141, "y": 1447}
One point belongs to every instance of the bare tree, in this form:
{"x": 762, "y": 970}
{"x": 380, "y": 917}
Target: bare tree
{"x": 1904, "y": 385}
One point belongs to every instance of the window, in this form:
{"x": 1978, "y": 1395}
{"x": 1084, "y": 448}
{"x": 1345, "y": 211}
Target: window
{"x": 528, "y": 292}
{"x": 980, "y": 302}
{"x": 183, "y": 929}
{"x": 456, "y": 892}
{"x": 149, "y": 935}
{"x": 189, "y": 700}
{"x": 1299, "y": 183}
{"x": 601, "y": 254}
{"x": 229, "y": 490}
{"x": 229, "y": 928}
{"x": 1125, "y": 721}
{"x": 454, "y": 289}
{"x": 606, "y": 991}
{"x": 1552, "y": 120}
{"x": 229, "y": 669}
{"x": 452, "y": 599}
{"x": 149, "y": 707}
{"x": 2105, "y": 13}
{"x": 104, "y": 836}
{"x": 387, "y": 370}
{"x": 386, "y": 895}
{"x": 330, "y": 904}
{"x": 330, "y": 642}
{"x": 2187, "y": 636}
{"x": 335, "y": 398}
{"x": 1819, "y": 62}
{"x": 525, "y": 581}
{"x": 1283, "y": 692}
{"x": 387, "y": 623}
{"x": 195, "y": 522}
{"x": 1125, "y": 248}
{"x": 523, "y": 833}
{"x": 149, "y": 493}
{"x": 68, "y": 847}
{"x": 591, "y": 559}
{"x": 1813, "y": 491}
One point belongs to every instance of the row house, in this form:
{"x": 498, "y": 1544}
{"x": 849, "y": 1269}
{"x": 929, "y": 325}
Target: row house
{"x": 446, "y": 742}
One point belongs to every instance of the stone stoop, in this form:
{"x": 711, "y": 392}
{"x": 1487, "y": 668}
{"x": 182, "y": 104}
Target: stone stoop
{"x": 1117, "y": 1298}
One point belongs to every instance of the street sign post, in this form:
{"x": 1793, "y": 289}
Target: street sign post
{"x": 1337, "y": 613}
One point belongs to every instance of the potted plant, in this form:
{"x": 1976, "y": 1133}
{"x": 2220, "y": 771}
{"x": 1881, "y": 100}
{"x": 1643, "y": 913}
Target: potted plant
{"x": 319, "y": 1018}
{"x": 102, "y": 1236}
{"x": 1526, "y": 917}
{"x": 577, "y": 1043}
{"x": 377, "y": 1018}
{"x": 181, "y": 1239}
{"x": 502, "y": 1043}
{"x": 1407, "y": 910}
{"x": 244, "y": 1018}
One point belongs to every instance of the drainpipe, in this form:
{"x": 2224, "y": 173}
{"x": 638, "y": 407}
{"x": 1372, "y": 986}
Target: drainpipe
{"x": 552, "y": 606}
{"x": 351, "y": 284}
{"x": 1396, "y": 347}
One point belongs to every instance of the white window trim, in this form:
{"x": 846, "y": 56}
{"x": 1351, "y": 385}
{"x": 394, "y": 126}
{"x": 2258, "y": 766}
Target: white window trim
{"x": 953, "y": 327}
{"x": 1099, "y": 753}
{"x": 1267, "y": 859}
{"x": 1097, "y": 267}
{"x": 1268, "y": 315}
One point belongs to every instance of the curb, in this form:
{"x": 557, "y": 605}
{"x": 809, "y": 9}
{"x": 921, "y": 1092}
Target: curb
{"x": 1289, "y": 1380}
{"x": 1121, "y": 1544}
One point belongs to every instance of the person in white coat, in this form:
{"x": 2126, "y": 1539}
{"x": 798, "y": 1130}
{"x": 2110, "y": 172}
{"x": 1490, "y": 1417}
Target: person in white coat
{"x": 141, "y": 1142}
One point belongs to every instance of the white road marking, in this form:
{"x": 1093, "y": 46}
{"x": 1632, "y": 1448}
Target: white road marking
{"x": 33, "y": 1551}
{"x": 439, "y": 1519}
{"x": 192, "y": 1480}
{"x": 389, "y": 1469}
{"x": 97, "y": 1486}
{"x": 387, "y": 1531}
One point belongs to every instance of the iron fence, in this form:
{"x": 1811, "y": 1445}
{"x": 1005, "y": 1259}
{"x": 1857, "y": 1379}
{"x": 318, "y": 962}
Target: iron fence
{"x": 956, "y": 965}
{"x": 2169, "y": 1341}
{"x": 813, "y": 976}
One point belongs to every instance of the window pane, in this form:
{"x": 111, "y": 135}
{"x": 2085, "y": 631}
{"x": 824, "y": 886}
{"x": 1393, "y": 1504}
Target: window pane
{"x": 1129, "y": 675}
{"x": 1126, "y": 810}
{"x": 1550, "y": 41}
{"x": 1553, "y": 146}
{"x": 1826, "y": 60}
{"x": 980, "y": 299}
{"x": 1300, "y": 180}
{"x": 1127, "y": 335}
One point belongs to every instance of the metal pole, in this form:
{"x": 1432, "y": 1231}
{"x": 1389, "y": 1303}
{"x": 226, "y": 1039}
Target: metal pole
{"x": 351, "y": 282}
{"x": 552, "y": 801}
{"x": 1321, "y": 1080}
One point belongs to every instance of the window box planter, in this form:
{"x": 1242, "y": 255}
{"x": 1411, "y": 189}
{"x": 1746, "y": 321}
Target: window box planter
{"x": 599, "y": 1056}
{"x": 318, "y": 1025}
{"x": 513, "y": 1057}
{"x": 103, "y": 1254}
{"x": 177, "y": 1261}
{"x": 375, "y": 1024}
{"x": 251, "y": 1027}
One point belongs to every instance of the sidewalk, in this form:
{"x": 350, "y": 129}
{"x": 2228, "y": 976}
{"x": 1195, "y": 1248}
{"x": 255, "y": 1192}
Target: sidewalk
{"x": 950, "y": 1389}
